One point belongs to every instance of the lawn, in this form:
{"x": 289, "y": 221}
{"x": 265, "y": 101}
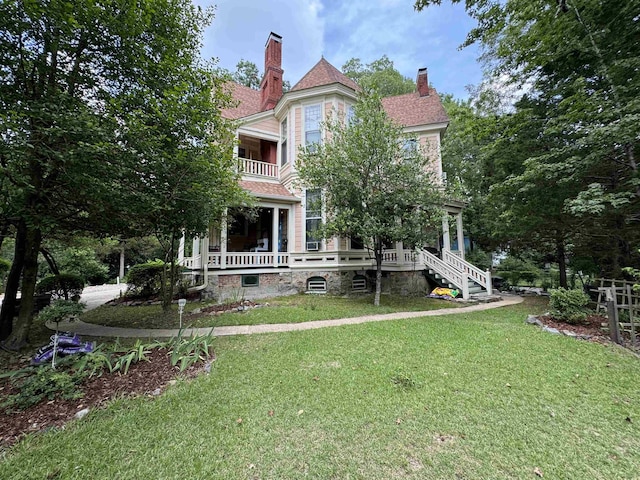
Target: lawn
{"x": 290, "y": 309}
{"x": 475, "y": 395}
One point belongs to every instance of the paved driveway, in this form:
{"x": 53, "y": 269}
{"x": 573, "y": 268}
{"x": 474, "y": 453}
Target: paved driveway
{"x": 97, "y": 295}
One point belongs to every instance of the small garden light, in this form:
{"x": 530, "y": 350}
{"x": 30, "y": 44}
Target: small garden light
{"x": 181, "y": 303}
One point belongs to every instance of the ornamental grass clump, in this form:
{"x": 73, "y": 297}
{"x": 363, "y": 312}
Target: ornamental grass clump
{"x": 568, "y": 305}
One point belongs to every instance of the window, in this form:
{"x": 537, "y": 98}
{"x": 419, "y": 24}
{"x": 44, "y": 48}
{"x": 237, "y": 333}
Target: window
{"x": 312, "y": 116}
{"x": 359, "y": 283}
{"x": 284, "y": 135}
{"x": 250, "y": 280}
{"x": 409, "y": 147}
{"x": 350, "y": 116}
{"x": 316, "y": 284}
{"x": 313, "y": 206}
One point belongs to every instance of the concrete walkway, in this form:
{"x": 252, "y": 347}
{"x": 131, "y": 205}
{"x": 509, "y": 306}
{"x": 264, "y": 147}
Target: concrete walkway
{"x": 83, "y": 328}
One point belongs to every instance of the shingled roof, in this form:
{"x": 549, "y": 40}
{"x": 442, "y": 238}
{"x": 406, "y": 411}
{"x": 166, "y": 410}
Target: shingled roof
{"x": 323, "y": 73}
{"x": 248, "y": 101}
{"x": 411, "y": 109}
{"x": 260, "y": 189}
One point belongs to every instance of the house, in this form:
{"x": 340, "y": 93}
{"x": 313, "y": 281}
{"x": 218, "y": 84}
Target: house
{"x": 276, "y": 252}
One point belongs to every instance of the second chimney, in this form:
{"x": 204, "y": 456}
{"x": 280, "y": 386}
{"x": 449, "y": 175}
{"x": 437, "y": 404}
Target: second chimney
{"x": 422, "y": 82}
{"x": 271, "y": 85}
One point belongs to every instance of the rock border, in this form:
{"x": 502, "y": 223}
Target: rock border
{"x": 534, "y": 320}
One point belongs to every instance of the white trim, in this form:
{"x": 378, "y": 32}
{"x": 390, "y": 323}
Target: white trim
{"x": 426, "y": 128}
{"x": 261, "y": 134}
{"x": 323, "y": 90}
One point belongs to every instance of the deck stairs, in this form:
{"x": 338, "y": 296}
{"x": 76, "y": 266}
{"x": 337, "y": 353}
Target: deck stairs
{"x": 454, "y": 272}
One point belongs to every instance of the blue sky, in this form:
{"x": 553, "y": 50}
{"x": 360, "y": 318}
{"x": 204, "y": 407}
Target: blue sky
{"x": 339, "y": 30}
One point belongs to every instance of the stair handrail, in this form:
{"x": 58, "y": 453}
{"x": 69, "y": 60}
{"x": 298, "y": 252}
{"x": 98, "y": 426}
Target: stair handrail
{"x": 448, "y": 272}
{"x": 477, "y": 275}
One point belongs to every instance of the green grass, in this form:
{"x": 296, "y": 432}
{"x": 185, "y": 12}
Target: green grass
{"x": 295, "y": 308}
{"x": 478, "y": 395}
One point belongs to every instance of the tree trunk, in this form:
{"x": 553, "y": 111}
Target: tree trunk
{"x": 13, "y": 282}
{"x": 53, "y": 266}
{"x": 167, "y": 287}
{"x": 562, "y": 264}
{"x": 378, "y": 255}
{"x": 19, "y": 335}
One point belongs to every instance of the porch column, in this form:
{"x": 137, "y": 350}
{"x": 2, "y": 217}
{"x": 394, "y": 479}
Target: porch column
{"x": 400, "y": 253}
{"x": 275, "y": 220}
{"x": 181, "y": 250}
{"x": 196, "y": 251}
{"x": 460, "y": 234}
{"x": 205, "y": 250}
{"x": 223, "y": 240}
{"x": 446, "y": 241}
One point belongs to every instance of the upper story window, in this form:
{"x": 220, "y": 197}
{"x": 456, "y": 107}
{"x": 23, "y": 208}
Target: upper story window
{"x": 409, "y": 147}
{"x": 312, "y": 116}
{"x": 351, "y": 114}
{"x": 284, "y": 136}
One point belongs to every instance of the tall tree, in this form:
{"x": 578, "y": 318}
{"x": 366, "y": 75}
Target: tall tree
{"x": 247, "y": 74}
{"x": 377, "y": 184}
{"x": 379, "y": 74}
{"x": 579, "y": 59}
{"x": 90, "y": 95}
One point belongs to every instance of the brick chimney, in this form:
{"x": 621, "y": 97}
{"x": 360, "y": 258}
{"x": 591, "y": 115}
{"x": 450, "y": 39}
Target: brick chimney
{"x": 422, "y": 82}
{"x": 271, "y": 85}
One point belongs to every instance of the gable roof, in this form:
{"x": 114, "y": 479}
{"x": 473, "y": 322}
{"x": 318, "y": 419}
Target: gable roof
{"x": 323, "y": 73}
{"x": 411, "y": 109}
{"x": 248, "y": 101}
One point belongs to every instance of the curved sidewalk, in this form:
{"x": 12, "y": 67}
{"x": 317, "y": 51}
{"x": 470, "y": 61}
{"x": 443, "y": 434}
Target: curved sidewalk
{"x": 83, "y": 328}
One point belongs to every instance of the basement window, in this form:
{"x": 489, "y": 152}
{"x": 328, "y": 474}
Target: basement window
{"x": 317, "y": 285}
{"x": 359, "y": 283}
{"x": 250, "y": 280}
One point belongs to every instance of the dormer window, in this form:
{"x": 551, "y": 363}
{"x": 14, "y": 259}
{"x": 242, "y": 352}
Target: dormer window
{"x": 312, "y": 116}
{"x": 284, "y": 135}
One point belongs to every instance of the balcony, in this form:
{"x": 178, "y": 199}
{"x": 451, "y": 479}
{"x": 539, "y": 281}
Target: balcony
{"x": 259, "y": 168}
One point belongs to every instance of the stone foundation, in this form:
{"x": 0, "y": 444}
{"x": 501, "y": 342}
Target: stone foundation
{"x": 225, "y": 287}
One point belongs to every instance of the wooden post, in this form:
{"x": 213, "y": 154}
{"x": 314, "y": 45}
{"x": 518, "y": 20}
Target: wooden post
{"x": 612, "y": 314}
{"x": 632, "y": 307}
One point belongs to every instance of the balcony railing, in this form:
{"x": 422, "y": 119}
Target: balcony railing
{"x": 259, "y": 168}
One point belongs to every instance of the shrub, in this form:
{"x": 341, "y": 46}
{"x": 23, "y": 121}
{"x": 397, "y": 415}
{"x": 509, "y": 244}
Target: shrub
{"x": 45, "y": 382}
{"x": 145, "y": 279}
{"x": 568, "y": 305}
{"x": 83, "y": 262}
{"x": 66, "y": 285}
{"x": 60, "y": 310}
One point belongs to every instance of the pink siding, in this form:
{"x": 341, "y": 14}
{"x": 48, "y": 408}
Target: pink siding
{"x": 300, "y": 233}
{"x": 270, "y": 125}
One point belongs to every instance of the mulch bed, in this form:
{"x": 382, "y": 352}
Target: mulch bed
{"x": 143, "y": 378}
{"x": 591, "y": 326}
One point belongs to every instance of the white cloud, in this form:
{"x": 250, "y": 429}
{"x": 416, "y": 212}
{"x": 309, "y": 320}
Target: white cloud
{"x": 241, "y": 28}
{"x": 339, "y": 30}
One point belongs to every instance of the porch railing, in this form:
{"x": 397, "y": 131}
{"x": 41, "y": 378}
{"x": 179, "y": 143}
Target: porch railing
{"x": 481, "y": 278}
{"x": 247, "y": 260}
{"x": 259, "y": 168}
{"x": 454, "y": 276}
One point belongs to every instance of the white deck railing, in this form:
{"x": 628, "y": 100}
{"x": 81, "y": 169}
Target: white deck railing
{"x": 481, "y": 278}
{"x": 451, "y": 274}
{"x": 247, "y": 260}
{"x": 259, "y": 168}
